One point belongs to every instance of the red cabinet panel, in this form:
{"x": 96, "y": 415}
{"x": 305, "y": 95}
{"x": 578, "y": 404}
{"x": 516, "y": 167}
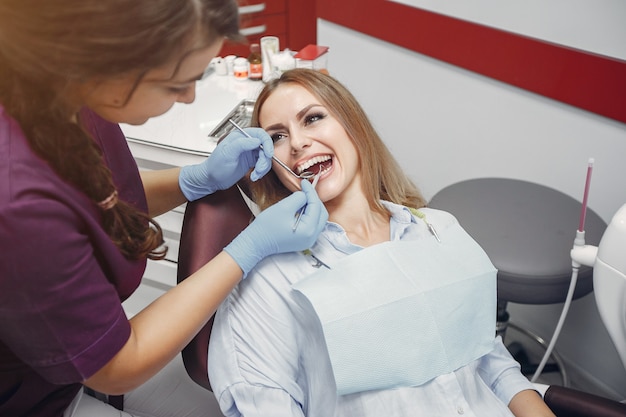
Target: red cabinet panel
{"x": 590, "y": 81}
{"x": 293, "y": 21}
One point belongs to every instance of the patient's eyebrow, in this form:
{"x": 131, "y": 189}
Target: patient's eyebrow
{"x": 299, "y": 116}
{"x": 302, "y": 112}
{"x": 275, "y": 126}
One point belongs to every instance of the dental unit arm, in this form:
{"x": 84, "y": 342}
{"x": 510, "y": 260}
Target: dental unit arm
{"x": 609, "y": 286}
{"x": 609, "y": 277}
{"x": 608, "y": 260}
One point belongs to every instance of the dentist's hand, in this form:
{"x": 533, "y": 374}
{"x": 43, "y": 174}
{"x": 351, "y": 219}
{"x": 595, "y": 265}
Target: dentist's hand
{"x": 272, "y": 231}
{"x": 230, "y": 161}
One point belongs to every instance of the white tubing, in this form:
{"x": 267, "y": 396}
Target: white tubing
{"x": 559, "y": 325}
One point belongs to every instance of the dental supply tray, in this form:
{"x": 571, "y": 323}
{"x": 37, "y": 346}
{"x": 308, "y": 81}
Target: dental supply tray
{"x": 241, "y": 114}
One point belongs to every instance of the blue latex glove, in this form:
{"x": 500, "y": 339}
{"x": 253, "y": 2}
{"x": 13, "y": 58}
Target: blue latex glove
{"x": 272, "y": 230}
{"x": 231, "y": 160}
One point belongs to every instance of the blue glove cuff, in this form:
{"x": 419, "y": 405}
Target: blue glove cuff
{"x": 193, "y": 187}
{"x": 242, "y": 250}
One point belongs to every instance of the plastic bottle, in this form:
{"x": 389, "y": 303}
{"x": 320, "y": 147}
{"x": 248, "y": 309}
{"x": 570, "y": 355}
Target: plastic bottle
{"x": 240, "y": 69}
{"x": 256, "y": 63}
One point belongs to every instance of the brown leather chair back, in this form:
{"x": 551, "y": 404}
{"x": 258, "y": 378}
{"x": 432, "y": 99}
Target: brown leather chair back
{"x": 209, "y": 224}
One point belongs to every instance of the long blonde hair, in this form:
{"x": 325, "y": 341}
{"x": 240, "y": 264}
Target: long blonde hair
{"x": 383, "y": 178}
{"x": 48, "y": 46}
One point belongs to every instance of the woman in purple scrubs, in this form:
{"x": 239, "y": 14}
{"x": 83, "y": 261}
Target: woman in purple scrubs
{"x": 76, "y": 215}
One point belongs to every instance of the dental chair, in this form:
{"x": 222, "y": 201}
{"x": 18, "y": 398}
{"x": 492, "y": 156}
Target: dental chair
{"x": 212, "y": 222}
{"x": 209, "y": 224}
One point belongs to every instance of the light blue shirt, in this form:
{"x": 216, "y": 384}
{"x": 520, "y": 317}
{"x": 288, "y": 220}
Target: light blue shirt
{"x": 268, "y": 355}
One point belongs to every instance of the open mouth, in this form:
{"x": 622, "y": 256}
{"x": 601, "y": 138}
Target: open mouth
{"x": 316, "y": 165}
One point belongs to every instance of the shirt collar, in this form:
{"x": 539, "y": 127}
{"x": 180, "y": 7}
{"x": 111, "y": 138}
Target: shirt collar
{"x": 401, "y": 219}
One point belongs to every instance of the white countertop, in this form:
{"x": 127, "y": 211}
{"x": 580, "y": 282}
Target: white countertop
{"x": 181, "y": 135}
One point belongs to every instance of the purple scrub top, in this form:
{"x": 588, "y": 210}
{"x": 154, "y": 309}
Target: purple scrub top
{"x": 62, "y": 280}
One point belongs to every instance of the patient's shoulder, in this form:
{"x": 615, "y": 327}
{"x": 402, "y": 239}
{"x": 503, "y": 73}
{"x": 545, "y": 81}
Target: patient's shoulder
{"x": 269, "y": 285}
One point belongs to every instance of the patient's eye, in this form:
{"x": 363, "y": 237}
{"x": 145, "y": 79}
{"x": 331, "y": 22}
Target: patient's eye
{"x": 313, "y": 117}
{"x": 277, "y": 136}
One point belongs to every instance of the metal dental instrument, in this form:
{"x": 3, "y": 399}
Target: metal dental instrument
{"x": 306, "y": 175}
{"x": 301, "y": 211}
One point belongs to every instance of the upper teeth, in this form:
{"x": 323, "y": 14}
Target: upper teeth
{"x": 308, "y": 164}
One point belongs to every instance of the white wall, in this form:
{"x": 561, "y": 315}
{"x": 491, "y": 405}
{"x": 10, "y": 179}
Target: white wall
{"x": 445, "y": 124}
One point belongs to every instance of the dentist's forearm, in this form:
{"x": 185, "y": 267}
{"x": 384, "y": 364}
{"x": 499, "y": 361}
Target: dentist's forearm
{"x": 161, "y": 330}
{"x": 162, "y": 190}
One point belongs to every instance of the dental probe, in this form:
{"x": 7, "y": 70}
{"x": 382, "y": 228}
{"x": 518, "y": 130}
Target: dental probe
{"x": 304, "y": 176}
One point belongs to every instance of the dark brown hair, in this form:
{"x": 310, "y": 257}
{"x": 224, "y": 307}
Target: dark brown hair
{"x": 48, "y": 46}
{"x": 383, "y": 178}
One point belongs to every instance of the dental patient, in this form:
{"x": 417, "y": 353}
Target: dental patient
{"x": 390, "y": 313}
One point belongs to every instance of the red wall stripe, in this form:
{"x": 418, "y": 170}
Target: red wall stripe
{"x": 589, "y": 81}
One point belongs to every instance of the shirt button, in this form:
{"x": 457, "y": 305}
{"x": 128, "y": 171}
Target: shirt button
{"x": 460, "y": 410}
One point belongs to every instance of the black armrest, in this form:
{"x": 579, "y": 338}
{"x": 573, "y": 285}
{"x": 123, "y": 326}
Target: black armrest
{"x": 568, "y": 402}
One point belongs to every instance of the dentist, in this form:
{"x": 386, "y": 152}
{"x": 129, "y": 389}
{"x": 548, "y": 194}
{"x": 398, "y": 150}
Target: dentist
{"x": 76, "y": 215}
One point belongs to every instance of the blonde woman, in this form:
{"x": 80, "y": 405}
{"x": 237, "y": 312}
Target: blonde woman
{"x": 390, "y": 313}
